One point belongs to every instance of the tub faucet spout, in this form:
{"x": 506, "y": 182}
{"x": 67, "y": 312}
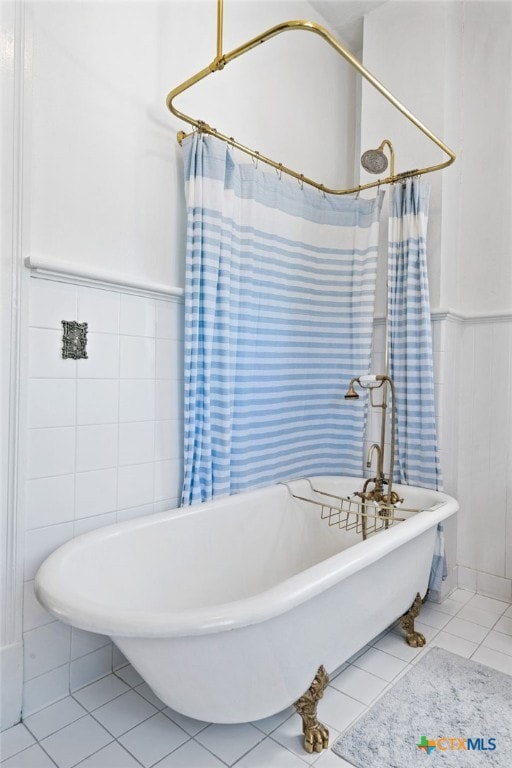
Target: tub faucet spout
{"x": 373, "y": 448}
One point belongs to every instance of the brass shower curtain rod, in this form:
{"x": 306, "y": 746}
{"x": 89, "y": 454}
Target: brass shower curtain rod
{"x": 222, "y": 59}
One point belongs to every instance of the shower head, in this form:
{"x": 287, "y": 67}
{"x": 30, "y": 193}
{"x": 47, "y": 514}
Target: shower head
{"x": 351, "y": 394}
{"x": 374, "y": 160}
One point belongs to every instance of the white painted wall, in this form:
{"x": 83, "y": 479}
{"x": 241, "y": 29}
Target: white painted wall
{"x": 485, "y": 244}
{"x": 104, "y": 169}
{"x": 419, "y": 74}
{"x": 452, "y": 69}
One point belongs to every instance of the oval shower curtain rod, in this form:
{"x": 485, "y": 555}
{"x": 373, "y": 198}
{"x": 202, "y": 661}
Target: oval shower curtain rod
{"x": 222, "y": 59}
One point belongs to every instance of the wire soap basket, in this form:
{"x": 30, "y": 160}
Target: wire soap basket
{"x": 353, "y": 513}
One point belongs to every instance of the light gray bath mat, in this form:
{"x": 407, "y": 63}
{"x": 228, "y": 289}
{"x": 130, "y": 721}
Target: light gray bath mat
{"x": 445, "y": 697}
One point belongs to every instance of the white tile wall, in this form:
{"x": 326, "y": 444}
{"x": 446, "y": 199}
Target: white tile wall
{"x": 46, "y": 648}
{"x": 49, "y": 500}
{"x": 51, "y": 452}
{"x": 46, "y": 688}
{"x": 484, "y": 456}
{"x": 95, "y": 492}
{"x": 51, "y": 403}
{"x": 137, "y": 441}
{"x": 97, "y": 401}
{"x": 104, "y": 443}
{"x": 96, "y": 447}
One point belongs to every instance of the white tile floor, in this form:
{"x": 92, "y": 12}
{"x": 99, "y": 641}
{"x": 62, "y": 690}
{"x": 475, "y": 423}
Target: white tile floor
{"x": 117, "y": 722}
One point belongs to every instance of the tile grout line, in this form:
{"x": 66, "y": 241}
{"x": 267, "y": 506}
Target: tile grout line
{"x": 118, "y": 422}
{"x": 153, "y": 714}
{"x": 491, "y": 629}
{"x": 52, "y": 733}
{"x": 48, "y": 755}
{"x": 89, "y": 711}
{"x": 160, "y": 758}
{"x": 114, "y": 741}
{"x": 37, "y": 743}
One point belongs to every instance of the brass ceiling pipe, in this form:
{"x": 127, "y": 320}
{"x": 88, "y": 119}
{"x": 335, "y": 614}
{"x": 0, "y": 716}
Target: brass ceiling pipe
{"x": 220, "y": 27}
{"x": 309, "y": 26}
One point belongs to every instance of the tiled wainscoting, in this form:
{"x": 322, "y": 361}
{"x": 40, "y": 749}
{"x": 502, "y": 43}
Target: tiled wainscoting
{"x": 117, "y": 722}
{"x": 485, "y": 456}
{"x": 473, "y": 386}
{"x": 103, "y": 444}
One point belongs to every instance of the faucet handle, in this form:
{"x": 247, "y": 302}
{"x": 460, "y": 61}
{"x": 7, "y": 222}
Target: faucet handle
{"x": 392, "y": 498}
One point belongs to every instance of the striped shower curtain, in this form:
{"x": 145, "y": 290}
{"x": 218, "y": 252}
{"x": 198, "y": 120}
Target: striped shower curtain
{"x": 410, "y": 337}
{"x": 410, "y": 352}
{"x": 279, "y": 298}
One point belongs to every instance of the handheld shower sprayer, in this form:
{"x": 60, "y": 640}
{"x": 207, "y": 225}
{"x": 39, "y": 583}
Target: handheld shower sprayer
{"x": 351, "y": 394}
{"x": 368, "y": 381}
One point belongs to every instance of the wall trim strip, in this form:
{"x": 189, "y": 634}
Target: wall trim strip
{"x": 11, "y": 539}
{"x": 461, "y": 317}
{"x": 64, "y": 271}
{"x": 57, "y": 269}
{"x": 11, "y": 666}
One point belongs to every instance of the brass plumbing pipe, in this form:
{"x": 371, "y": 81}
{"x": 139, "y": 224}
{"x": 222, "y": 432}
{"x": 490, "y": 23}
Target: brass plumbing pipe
{"x": 388, "y": 144}
{"x": 351, "y": 394}
{"x": 220, "y": 27}
{"x": 222, "y": 59}
{"x": 380, "y": 459}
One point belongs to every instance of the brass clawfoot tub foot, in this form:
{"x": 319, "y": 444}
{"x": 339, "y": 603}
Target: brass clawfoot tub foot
{"x": 316, "y": 735}
{"x": 414, "y": 639}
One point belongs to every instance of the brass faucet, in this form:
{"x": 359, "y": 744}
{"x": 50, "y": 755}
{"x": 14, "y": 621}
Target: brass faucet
{"x": 377, "y": 493}
{"x": 380, "y": 459}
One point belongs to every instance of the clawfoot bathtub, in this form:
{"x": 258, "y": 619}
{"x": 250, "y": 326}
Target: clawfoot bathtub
{"x": 228, "y": 608}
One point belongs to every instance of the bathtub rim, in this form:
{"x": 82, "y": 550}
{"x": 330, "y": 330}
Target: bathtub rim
{"x": 58, "y": 598}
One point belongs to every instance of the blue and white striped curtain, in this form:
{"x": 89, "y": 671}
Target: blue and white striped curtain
{"x": 410, "y": 337}
{"x": 280, "y": 285}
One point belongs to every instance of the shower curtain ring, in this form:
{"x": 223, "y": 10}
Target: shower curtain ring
{"x": 279, "y": 171}
{"x": 321, "y": 189}
{"x": 301, "y": 181}
{"x": 256, "y": 161}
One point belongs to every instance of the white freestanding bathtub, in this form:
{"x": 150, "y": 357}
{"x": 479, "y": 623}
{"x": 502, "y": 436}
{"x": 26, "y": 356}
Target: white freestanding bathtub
{"x": 228, "y": 608}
